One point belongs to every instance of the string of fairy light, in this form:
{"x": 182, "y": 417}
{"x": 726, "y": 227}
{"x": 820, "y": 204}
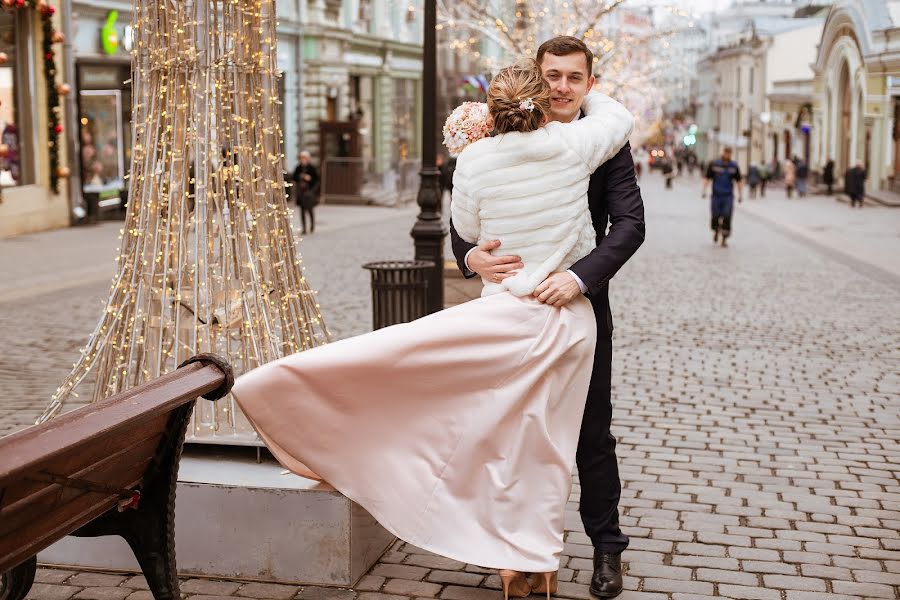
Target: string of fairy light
{"x": 630, "y": 50}
{"x": 208, "y": 259}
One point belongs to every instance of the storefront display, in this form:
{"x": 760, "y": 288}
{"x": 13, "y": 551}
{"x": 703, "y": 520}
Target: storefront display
{"x": 104, "y": 108}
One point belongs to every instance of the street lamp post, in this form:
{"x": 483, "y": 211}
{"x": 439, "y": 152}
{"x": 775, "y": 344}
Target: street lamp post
{"x": 428, "y": 233}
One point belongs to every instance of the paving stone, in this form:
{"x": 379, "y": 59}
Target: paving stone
{"x": 104, "y": 593}
{"x": 404, "y": 587}
{"x": 273, "y": 591}
{"x": 865, "y": 590}
{"x": 312, "y": 592}
{"x": 369, "y": 583}
{"x": 753, "y": 553}
{"x": 889, "y": 578}
{"x": 48, "y": 591}
{"x": 721, "y": 576}
{"x": 43, "y": 575}
{"x": 712, "y": 562}
{"x": 455, "y": 592}
{"x": 378, "y": 596}
{"x": 825, "y": 572}
{"x": 573, "y": 590}
{"x": 700, "y": 549}
{"x": 796, "y": 595}
{"x": 205, "y": 597}
{"x": 140, "y": 595}
{"x": 455, "y": 577}
{"x": 432, "y": 561}
{"x": 758, "y": 566}
{"x": 677, "y": 585}
{"x": 661, "y": 571}
{"x": 787, "y": 582}
{"x": 209, "y": 587}
{"x": 400, "y": 572}
{"x": 748, "y": 593}
{"x": 139, "y": 582}
{"x": 96, "y": 580}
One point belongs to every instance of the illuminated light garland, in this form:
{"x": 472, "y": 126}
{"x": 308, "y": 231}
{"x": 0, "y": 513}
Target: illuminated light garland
{"x": 628, "y": 57}
{"x": 208, "y": 259}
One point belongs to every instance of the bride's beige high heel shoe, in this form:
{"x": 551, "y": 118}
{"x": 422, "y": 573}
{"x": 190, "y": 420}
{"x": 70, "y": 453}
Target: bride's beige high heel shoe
{"x": 514, "y": 584}
{"x": 545, "y": 583}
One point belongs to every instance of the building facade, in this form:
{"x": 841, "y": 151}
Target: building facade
{"x": 33, "y": 157}
{"x": 360, "y": 112}
{"x": 857, "y": 90}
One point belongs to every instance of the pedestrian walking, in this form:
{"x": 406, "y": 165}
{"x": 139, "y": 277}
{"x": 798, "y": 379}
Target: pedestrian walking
{"x": 855, "y": 184}
{"x": 828, "y": 176}
{"x": 447, "y": 167}
{"x": 306, "y": 184}
{"x": 802, "y": 173}
{"x": 722, "y": 174}
{"x": 753, "y": 180}
{"x": 668, "y": 172}
{"x": 638, "y": 169}
{"x": 764, "y": 176}
{"x": 790, "y": 177}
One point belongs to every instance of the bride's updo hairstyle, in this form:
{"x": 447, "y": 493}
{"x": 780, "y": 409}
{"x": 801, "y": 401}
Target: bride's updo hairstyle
{"x": 519, "y": 98}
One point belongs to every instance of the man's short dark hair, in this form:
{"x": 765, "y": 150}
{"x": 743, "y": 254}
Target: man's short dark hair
{"x": 565, "y": 45}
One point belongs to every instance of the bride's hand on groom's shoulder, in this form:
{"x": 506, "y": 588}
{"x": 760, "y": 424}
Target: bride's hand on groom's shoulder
{"x": 558, "y": 289}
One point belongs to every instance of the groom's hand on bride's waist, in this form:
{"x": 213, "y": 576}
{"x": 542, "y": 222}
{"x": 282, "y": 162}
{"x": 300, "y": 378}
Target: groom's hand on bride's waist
{"x": 493, "y": 268}
{"x": 558, "y": 289}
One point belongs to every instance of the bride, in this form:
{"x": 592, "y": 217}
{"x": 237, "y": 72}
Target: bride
{"x": 458, "y": 431}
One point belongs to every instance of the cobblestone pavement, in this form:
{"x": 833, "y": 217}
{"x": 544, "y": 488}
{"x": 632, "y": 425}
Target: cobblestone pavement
{"x": 756, "y": 406}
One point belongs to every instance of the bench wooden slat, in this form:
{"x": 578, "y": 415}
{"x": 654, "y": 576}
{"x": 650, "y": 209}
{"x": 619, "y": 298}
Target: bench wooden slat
{"x": 29, "y": 449}
{"x": 79, "y": 462}
{"x": 47, "y": 531}
{"x": 117, "y": 470}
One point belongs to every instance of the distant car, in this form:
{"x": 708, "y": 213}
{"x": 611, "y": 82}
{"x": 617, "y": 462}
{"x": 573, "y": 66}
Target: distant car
{"x": 657, "y": 158}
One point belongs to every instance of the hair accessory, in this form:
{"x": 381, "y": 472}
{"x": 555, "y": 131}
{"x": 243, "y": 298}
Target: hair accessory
{"x": 526, "y": 104}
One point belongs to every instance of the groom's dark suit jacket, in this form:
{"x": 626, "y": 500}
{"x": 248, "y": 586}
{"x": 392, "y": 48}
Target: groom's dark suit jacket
{"x": 614, "y": 198}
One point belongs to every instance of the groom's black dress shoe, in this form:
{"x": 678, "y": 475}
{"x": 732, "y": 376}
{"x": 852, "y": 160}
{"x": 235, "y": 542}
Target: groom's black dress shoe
{"x": 607, "y": 579}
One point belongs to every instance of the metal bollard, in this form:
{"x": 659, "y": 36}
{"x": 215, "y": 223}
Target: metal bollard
{"x": 399, "y": 291}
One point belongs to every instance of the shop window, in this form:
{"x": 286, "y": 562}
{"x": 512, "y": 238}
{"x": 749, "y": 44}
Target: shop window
{"x": 405, "y": 120}
{"x": 13, "y": 171}
{"x": 102, "y": 141}
{"x": 364, "y": 16}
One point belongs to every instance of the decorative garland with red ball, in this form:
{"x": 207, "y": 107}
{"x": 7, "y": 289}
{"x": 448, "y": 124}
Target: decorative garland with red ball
{"x": 54, "y": 90}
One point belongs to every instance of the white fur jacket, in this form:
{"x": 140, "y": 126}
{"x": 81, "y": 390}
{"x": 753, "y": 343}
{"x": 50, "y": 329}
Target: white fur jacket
{"x": 529, "y": 190}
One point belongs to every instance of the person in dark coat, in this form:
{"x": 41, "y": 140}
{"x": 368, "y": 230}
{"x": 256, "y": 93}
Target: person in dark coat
{"x": 828, "y": 176}
{"x": 855, "y": 184}
{"x": 306, "y": 186}
{"x": 447, "y": 167}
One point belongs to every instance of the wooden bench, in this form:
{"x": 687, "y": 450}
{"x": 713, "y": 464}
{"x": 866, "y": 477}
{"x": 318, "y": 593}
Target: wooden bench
{"x": 106, "y": 469}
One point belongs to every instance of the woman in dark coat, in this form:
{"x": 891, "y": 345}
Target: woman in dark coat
{"x": 306, "y": 184}
{"x": 828, "y": 175}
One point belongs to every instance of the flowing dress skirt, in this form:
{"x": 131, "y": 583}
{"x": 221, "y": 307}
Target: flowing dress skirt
{"x": 457, "y": 431}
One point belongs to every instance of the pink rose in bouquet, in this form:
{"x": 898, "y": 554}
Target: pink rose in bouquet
{"x": 469, "y": 122}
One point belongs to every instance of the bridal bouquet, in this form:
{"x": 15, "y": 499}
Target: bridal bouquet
{"x": 469, "y": 122}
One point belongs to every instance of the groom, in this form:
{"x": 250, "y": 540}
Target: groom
{"x": 614, "y": 198}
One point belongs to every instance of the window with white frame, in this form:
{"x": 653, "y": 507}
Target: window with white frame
{"x": 13, "y": 170}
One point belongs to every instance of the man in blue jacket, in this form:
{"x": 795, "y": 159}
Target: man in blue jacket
{"x": 614, "y": 198}
{"x": 723, "y": 173}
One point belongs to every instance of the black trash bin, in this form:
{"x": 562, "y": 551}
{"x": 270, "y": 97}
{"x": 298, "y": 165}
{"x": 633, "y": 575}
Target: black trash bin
{"x": 399, "y": 291}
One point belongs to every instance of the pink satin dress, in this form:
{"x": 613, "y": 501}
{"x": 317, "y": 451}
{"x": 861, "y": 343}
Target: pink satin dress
{"x": 457, "y": 431}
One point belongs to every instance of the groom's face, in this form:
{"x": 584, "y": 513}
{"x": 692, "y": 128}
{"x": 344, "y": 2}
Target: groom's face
{"x": 569, "y": 80}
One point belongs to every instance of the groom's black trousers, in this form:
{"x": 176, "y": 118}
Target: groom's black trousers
{"x": 598, "y": 469}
